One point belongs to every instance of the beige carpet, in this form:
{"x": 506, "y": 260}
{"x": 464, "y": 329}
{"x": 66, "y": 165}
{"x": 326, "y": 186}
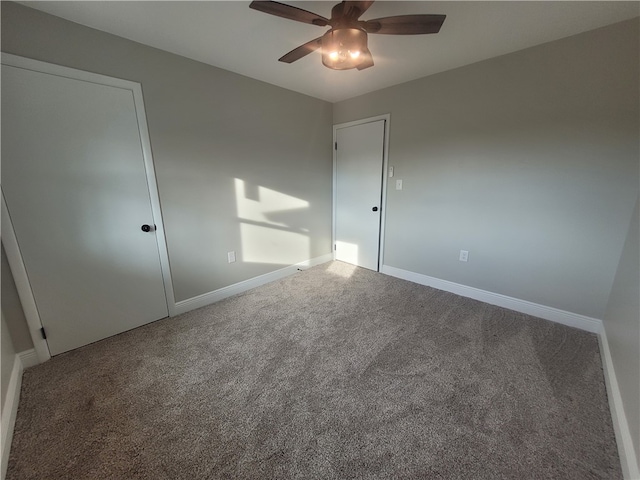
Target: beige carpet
{"x": 335, "y": 372}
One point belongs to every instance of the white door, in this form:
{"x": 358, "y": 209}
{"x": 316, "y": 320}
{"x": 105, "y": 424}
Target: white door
{"x": 359, "y": 179}
{"x": 75, "y": 185}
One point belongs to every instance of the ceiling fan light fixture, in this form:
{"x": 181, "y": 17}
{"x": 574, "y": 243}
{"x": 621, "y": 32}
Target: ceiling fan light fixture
{"x": 342, "y": 48}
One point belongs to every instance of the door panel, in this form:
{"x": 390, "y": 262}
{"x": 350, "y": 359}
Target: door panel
{"x": 75, "y": 185}
{"x": 359, "y": 163}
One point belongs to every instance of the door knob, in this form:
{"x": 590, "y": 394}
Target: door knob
{"x": 148, "y": 228}
{"x": 375, "y": 209}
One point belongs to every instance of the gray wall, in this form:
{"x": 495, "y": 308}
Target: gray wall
{"x": 12, "y": 308}
{"x": 209, "y": 127}
{"x": 529, "y": 161}
{"x": 8, "y": 355}
{"x": 622, "y": 325}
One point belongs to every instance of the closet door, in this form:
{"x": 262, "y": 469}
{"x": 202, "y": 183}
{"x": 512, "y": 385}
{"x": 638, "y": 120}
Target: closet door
{"x": 358, "y": 195}
{"x": 77, "y": 191}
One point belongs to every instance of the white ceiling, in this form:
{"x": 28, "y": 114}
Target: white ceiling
{"x": 230, "y": 35}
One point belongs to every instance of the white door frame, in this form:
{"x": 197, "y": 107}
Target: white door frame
{"x": 385, "y": 174}
{"x": 8, "y": 235}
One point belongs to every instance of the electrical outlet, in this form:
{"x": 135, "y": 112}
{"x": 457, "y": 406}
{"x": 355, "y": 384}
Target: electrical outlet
{"x": 231, "y": 257}
{"x": 391, "y": 171}
{"x": 398, "y": 184}
{"x": 464, "y": 256}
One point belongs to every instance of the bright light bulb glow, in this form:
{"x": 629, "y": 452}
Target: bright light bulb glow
{"x": 343, "y": 48}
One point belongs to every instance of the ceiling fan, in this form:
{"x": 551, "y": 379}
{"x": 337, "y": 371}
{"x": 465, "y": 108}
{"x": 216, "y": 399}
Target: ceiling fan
{"x": 344, "y": 45}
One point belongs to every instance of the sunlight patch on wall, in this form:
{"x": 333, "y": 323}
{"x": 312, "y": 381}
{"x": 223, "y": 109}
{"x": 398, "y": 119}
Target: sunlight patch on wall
{"x": 267, "y": 245}
{"x": 270, "y": 225}
{"x": 262, "y": 204}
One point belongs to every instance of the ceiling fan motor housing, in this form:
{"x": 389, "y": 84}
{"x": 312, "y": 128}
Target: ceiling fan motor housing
{"x": 344, "y": 48}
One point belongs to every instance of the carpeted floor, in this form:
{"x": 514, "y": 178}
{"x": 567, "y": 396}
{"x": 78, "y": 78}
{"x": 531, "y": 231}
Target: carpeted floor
{"x": 335, "y": 372}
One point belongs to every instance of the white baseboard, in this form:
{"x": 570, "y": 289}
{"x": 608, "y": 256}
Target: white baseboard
{"x": 217, "y": 295}
{"x": 10, "y": 409}
{"x": 628, "y": 460}
{"x": 29, "y": 358}
{"x": 570, "y": 319}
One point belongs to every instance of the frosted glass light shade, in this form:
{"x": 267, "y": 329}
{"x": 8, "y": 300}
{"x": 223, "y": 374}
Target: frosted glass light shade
{"x": 342, "y": 48}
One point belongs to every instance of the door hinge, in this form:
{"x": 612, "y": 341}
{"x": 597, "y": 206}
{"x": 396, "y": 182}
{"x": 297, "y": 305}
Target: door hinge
{"x": 335, "y": 145}
{"x": 43, "y": 333}
{"x": 334, "y": 246}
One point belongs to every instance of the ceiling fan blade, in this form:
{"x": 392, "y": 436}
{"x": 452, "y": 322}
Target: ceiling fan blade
{"x": 405, "y": 24}
{"x": 301, "y": 51}
{"x": 287, "y": 11}
{"x": 368, "y": 61}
